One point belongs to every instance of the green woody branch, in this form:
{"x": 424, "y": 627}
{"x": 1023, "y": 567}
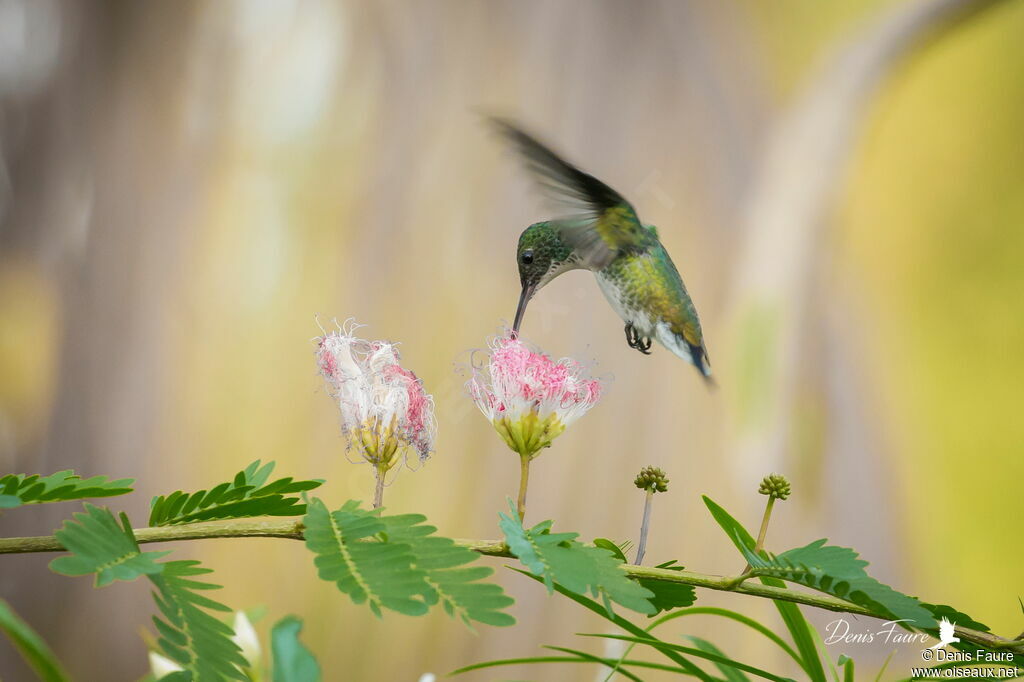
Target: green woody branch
{"x": 292, "y": 529}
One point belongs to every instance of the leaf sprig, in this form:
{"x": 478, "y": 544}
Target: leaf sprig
{"x": 397, "y": 563}
{"x": 21, "y": 489}
{"x": 840, "y": 572}
{"x": 190, "y": 635}
{"x": 98, "y": 544}
{"x": 247, "y": 495}
{"x": 557, "y": 558}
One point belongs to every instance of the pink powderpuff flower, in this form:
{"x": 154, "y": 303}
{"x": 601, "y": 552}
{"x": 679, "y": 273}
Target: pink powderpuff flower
{"x": 385, "y": 412}
{"x": 529, "y": 397}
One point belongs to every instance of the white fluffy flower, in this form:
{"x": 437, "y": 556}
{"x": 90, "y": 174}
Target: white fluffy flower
{"x": 384, "y": 408}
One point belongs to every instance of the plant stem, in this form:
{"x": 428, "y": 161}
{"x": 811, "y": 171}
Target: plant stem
{"x": 759, "y": 545}
{"x": 293, "y": 529}
{"x": 378, "y": 492}
{"x": 524, "y": 480}
{"x": 645, "y": 525}
{"x": 764, "y": 524}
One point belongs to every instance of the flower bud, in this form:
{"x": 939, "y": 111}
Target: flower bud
{"x": 246, "y": 639}
{"x": 651, "y": 479}
{"x": 161, "y": 666}
{"x": 775, "y": 486}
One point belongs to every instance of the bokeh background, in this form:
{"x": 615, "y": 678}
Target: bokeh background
{"x": 185, "y": 186}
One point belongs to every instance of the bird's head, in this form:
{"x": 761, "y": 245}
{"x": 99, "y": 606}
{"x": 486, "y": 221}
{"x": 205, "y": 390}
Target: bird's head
{"x": 541, "y": 256}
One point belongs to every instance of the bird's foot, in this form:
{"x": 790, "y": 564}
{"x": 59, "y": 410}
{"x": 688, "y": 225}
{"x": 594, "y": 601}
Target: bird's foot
{"x": 640, "y": 343}
{"x": 631, "y": 336}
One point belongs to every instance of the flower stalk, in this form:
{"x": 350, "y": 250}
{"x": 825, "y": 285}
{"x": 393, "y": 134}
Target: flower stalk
{"x": 776, "y": 487}
{"x": 652, "y": 480}
{"x": 530, "y": 399}
{"x": 645, "y": 525}
{"x": 524, "y": 482}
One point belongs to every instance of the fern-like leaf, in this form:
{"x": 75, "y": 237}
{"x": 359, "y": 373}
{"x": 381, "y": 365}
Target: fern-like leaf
{"x": 247, "y": 495}
{"x": 380, "y": 574}
{"x": 668, "y": 595}
{"x": 398, "y": 563}
{"x": 457, "y": 586}
{"x": 98, "y": 544}
{"x": 20, "y": 489}
{"x": 189, "y": 634}
{"x": 838, "y": 571}
{"x": 558, "y": 558}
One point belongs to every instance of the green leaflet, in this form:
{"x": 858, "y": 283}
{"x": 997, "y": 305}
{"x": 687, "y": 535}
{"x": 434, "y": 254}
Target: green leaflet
{"x": 396, "y": 563}
{"x": 456, "y": 586}
{"x": 247, "y": 495}
{"x": 668, "y": 596}
{"x": 33, "y": 649}
{"x": 838, "y": 571}
{"x": 99, "y": 545}
{"x": 940, "y": 611}
{"x": 20, "y": 489}
{"x": 559, "y": 558}
{"x": 293, "y": 662}
{"x": 188, "y": 634}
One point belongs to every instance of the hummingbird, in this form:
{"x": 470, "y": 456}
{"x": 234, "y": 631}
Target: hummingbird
{"x": 604, "y": 235}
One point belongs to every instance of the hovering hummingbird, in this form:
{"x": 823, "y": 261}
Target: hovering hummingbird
{"x": 605, "y": 236}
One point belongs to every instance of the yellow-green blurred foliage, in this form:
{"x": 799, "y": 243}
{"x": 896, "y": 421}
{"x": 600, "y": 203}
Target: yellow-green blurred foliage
{"x": 191, "y": 186}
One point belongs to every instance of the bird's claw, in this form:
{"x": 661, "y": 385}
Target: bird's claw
{"x": 640, "y": 343}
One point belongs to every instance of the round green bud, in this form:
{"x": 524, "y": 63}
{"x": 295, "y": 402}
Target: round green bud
{"x": 651, "y": 479}
{"x": 775, "y": 486}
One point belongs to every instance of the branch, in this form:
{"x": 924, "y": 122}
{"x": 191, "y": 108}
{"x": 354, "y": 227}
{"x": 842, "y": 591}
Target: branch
{"x": 291, "y": 529}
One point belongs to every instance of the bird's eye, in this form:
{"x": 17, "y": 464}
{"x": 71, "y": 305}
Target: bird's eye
{"x": 527, "y": 257}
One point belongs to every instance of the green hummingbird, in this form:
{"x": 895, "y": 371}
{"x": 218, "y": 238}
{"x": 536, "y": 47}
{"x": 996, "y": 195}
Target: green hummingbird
{"x": 604, "y": 235}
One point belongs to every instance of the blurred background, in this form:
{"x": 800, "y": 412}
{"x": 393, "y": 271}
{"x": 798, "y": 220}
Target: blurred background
{"x": 185, "y": 186}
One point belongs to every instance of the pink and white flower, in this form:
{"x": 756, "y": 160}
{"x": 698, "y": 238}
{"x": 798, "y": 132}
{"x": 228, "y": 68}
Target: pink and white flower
{"x": 529, "y": 397}
{"x": 385, "y": 411}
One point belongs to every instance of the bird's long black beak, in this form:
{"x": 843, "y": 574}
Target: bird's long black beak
{"x": 524, "y": 298}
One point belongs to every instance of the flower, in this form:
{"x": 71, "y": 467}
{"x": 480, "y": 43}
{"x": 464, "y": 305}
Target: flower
{"x": 246, "y": 639}
{"x": 384, "y": 408}
{"x": 385, "y": 412}
{"x": 530, "y": 398}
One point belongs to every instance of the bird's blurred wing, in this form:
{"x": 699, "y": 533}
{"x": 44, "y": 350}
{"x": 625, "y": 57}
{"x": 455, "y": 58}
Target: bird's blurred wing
{"x": 602, "y": 223}
{"x": 946, "y": 632}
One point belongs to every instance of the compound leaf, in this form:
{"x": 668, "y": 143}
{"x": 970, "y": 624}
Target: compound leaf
{"x": 380, "y": 574}
{"x": 838, "y": 571}
{"x": 668, "y": 595}
{"x": 98, "y": 544}
{"x": 247, "y": 495}
{"x": 558, "y": 558}
{"x": 20, "y": 489}
{"x": 189, "y": 634}
{"x": 457, "y": 586}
